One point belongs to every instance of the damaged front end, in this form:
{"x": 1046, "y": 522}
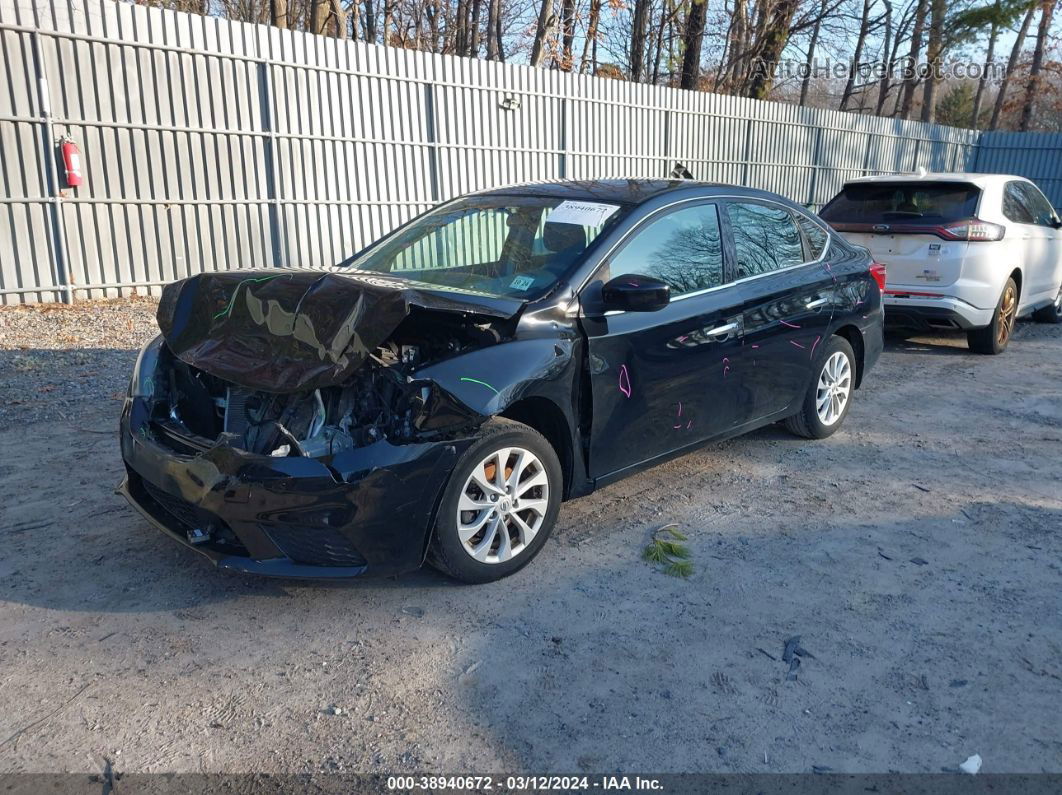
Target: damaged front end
{"x": 281, "y": 428}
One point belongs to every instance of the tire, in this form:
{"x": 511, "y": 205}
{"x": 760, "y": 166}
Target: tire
{"x": 813, "y": 421}
{"x": 1050, "y": 314}
{"x": 507, "y": 535}
{"x": 994, "y": 338}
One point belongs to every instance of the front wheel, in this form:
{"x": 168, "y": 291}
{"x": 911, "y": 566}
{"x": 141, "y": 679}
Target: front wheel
{"x": 1050, "y": 314}
{"x": 500, "y": 505}
{"x": 827, "y": 400}
{"x": 994, "y": 337}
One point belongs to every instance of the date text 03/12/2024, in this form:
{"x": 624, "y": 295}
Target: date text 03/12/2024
{"x": 523, "y": 783}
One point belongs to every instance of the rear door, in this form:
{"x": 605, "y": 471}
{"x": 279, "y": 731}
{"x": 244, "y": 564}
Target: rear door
{"x": 1042, "y": 257}
{"x": 898, "y": 223}
{"x": 787, "y": 300}
{"x": 664, "y": 380}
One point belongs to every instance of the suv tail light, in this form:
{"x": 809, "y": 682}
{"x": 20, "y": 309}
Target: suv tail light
{"x": 973, "y": 230}
{"x": 877, "y": 270}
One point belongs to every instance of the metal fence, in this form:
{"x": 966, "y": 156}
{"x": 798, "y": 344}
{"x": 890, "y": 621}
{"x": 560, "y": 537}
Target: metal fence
{"x": 212, "y": 145}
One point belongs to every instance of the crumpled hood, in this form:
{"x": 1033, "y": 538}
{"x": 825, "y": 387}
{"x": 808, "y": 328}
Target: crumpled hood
{"x": 285, "y": 331}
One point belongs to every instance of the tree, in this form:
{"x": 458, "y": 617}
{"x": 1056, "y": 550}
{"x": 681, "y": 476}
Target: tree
{"x": 934, "y": 57}
{"x": 547, "y": 20}
{"x": 639, "y": 31}
{"x": 769, "y": 48}
{"x": 1012, "y": 64}
{"x": 911, "y": 78}
{"x": 809, "y": 65}
{"x": 861, "y": 40}
{"x": 1047, "y": 10}
{"x": 692, "y": 40}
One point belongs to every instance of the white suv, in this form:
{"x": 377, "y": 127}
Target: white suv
{"x": 962, "y": 251}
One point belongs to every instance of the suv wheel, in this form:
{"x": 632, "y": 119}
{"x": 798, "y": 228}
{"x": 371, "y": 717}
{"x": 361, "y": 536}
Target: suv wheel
{"x": 993, "y": 338}
{"x": 1051, "y": 314}
{"x": 500, "y": 505}
{"x": 827, "y": 400}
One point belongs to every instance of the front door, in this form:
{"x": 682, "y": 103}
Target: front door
{"x": 787, "y": 304}
{"x": 664, "y": 380}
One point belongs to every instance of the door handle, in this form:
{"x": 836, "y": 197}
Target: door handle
{"x": 815, "y": 304}
{"x": 720, "y": 331}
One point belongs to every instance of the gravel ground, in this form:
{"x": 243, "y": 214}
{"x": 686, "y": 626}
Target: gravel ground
{"x": 58, "y": 361}
{"x": 918, "y": 553}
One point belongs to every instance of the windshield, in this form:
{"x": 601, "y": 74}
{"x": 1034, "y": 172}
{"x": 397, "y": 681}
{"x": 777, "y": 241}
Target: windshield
{"x": 915, "y": 202}
{"x": 508, "y": 246}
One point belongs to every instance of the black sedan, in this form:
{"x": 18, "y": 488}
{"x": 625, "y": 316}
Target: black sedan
{"x": 437, "y": 396}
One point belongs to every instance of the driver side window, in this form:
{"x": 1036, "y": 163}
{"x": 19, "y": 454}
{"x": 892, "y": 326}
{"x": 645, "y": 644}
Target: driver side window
{"x": 682, "y": 248}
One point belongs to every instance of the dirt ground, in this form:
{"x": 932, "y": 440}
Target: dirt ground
{"x": 917, "y": 553}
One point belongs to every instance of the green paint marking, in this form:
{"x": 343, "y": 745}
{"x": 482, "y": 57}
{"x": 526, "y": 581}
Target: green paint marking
{"x": 235, "y": 292}
{"x": 481, "y": 383}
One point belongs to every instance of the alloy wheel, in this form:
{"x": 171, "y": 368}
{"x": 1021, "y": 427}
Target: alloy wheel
{"x": 1008, "y": 308}
{"x": 502, "y": 505}
{"x": 834, "y": 388}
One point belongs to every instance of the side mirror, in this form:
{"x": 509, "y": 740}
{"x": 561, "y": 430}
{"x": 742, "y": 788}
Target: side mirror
{"x": 635, "y": 293}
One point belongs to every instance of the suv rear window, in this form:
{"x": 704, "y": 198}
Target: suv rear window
{"x": 915, "y": 202}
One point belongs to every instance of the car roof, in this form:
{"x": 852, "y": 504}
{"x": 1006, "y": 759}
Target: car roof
{"x": 980, "y": 180}
{"x": 635, "y": 190}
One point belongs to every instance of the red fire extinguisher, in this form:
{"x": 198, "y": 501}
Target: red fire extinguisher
{"x": 71, "y": 161}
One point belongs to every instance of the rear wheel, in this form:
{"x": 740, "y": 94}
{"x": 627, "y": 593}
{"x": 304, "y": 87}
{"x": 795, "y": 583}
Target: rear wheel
{"x": 993, "y": 338}
{"x": 827, "y": 400}
{"x": 500, "y": 505}
{"x": 1051, "y": 314}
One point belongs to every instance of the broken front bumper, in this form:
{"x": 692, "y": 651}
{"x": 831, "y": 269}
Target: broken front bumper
{"x": 370, "y": 511}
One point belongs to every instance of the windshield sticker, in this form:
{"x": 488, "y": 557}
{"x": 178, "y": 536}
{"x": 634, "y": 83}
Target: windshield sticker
{"x": 522, "y": 282}
{"x": 581, "y": 213}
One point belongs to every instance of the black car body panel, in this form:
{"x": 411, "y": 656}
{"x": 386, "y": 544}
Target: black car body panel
{"x": 291, "y": 330}
{"x": 612, "y": 392}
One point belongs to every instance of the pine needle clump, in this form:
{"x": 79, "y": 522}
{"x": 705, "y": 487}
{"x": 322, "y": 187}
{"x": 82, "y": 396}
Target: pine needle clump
{"x": 669, "y": 553}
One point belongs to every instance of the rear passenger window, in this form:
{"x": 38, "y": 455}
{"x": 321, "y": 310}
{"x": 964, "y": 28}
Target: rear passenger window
{"x": 765, "y": 238}
{"x": 683, "y": 249}
{"x": 1014, "y": 206}
{"x": 814, "y": 235}
{"x": 1043, "y": 214}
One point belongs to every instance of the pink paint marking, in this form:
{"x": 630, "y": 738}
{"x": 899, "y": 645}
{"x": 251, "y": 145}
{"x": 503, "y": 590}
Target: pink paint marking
{"x": 676, "y": 427}
{"x": 624, "y": 381}
{"x": 816, "y": 342}
{"x": 792, "y": 342}
{"x": 789, "y": 325}
{"x": 680, "y": 408}
{"x": 689, "y": 425}
{"x": 755, "y": 346}
{"x": 683, "y": 338}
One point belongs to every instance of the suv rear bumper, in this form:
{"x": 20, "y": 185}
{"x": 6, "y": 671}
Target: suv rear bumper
{"x": 933, "y": 314}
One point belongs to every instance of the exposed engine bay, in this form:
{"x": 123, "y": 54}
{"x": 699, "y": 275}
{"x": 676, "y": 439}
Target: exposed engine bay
{"x": 383, "y": 399}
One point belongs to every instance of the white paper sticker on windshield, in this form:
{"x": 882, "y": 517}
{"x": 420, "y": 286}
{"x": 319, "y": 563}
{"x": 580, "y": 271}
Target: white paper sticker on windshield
{"x": 522, "y": 282}
{"x": 581, "y": 213}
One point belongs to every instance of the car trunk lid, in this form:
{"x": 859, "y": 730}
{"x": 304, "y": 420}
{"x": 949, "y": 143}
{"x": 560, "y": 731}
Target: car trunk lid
{"x": 904, "y": 224}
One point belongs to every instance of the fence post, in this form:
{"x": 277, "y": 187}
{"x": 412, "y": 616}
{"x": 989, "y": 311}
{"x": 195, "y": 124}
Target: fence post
{"x": 432, "y": 136}
{"x": 668, "y": 160}
{"x": 562, "y": 157}
{"x": 748, "y": 152}
{"x": 48, "y": 142}
{"x": 813, "y": 183}
{"x": 866, "y": 155}
{"x": 265, "y": 98}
